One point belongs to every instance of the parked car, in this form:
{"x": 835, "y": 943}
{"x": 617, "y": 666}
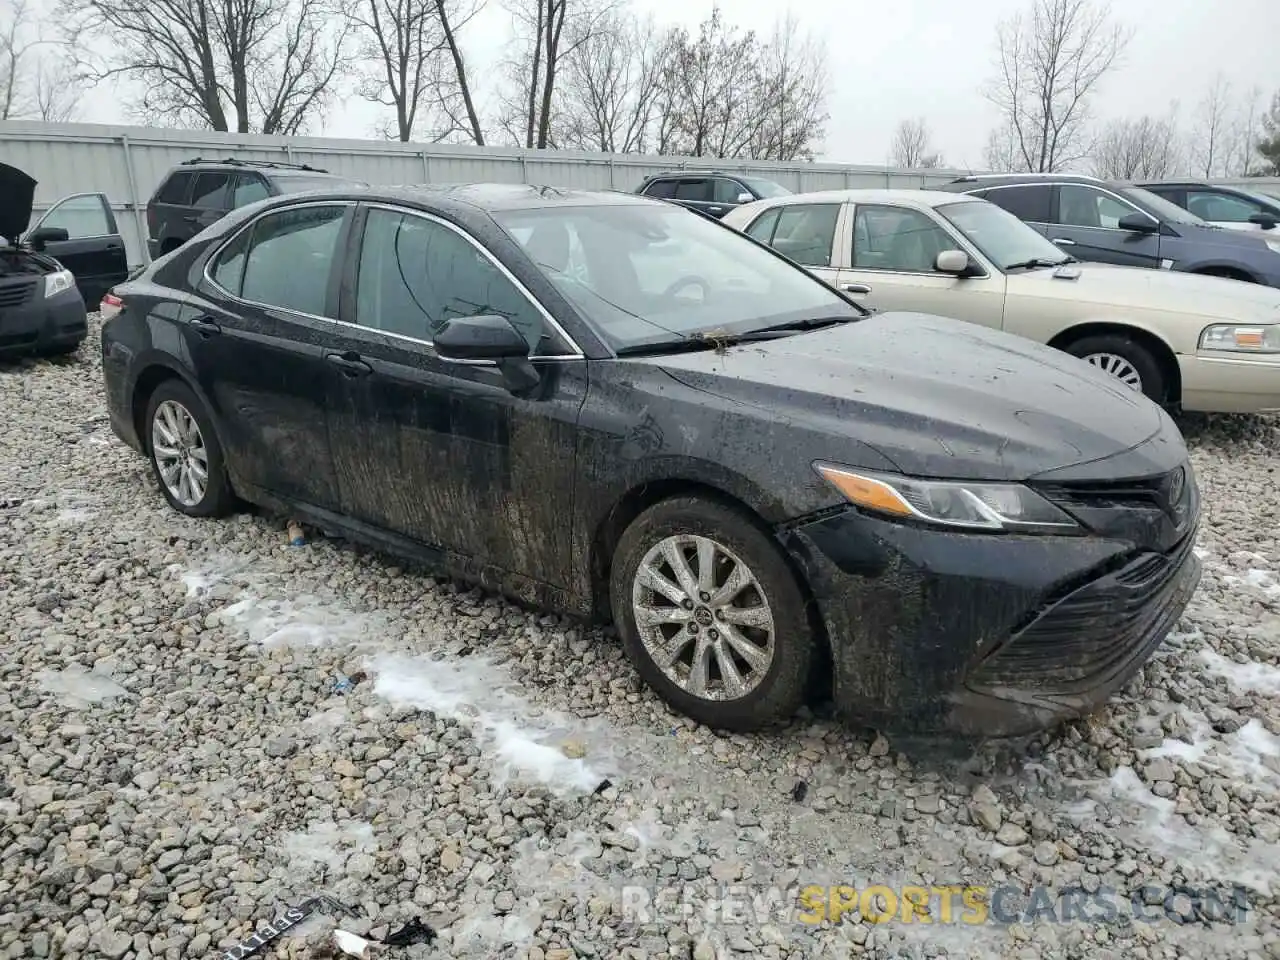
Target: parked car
{"x": 1110, "y": 222}
{"x": 78, "y": 231}
{"x": 1202, "y": 343}
{"x": 199, "y": 192}
{"x": 713, "y": 193}
{"x": 41, "y": 309}
{"x": 1230, "y": 207}
{"x": 615, "y": 406}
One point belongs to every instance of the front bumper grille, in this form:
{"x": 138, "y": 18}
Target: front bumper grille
{"x": 1098, "y": 631}
{"x": 16, "y": 294}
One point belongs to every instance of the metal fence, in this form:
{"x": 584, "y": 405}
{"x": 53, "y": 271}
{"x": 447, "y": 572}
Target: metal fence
{"x": 128, "y": 163}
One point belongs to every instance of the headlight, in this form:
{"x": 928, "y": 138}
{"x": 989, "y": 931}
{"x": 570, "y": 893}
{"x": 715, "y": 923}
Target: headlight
{"x": 1273, "y": 244}
{"x": 1242, "y": 338}
{"x": 973, "y": 505}
{"x": 57, "y": 282}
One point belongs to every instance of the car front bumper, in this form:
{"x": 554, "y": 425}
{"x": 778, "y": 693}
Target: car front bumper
{"x": 39, "y": 323}
{"x": 1230, "y": 383}
{"x": 977, "y": 635}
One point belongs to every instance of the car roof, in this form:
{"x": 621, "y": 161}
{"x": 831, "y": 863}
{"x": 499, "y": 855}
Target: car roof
{"x": 262, "y": 166}
{"x": 486, "y": 197}
{"x": 977, "y": 181}
{"x": 904, "y": 195}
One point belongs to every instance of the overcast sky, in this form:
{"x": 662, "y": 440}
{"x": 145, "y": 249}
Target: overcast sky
{"x": 906, "y": 58}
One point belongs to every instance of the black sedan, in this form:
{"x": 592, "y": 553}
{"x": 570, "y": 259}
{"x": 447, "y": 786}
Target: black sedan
{"x": 618, "y": 408}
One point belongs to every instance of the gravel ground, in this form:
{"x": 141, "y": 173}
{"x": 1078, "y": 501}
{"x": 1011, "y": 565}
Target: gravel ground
{"x": 200, "y": 724}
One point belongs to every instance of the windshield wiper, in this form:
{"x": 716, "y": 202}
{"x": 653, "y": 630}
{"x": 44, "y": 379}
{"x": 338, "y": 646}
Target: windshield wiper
{"x": 1040, "y": 262}
{"x": 719, "y": 339}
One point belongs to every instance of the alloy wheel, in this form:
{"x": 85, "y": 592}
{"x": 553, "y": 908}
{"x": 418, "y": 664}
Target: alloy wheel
{"x": 1118, "y": 367}
{"x": 180, "y": 452}
{"x": 703, "y": 617}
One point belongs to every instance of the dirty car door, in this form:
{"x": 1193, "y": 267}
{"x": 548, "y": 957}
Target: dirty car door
{"x": 253, "y": 338}
{"x": 94, "y": 250}
{"x": 438, "y": 450}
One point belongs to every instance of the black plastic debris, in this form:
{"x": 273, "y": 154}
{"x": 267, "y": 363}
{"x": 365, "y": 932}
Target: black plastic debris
{"x": 799, "y": 791}
{"x": 413, "y": 932}
{"x": 604, "y": 785}
{"x": 7, "y": 503}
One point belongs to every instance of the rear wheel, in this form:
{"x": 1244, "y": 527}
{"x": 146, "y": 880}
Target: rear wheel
{"x": 1130, "y": 362}
{"x": 711, "y": 615}
{"x": 186, "y": 456}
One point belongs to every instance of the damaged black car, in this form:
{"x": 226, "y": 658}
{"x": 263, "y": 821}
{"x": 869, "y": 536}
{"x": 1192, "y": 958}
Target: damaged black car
{"x": 618, "y": 408}
{"x": 41, "y": 309}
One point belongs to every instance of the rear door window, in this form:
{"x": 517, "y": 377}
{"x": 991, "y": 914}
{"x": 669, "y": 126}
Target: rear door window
{"x": 212, "y": 191}
{"x": 666, "y": 189}
{"x": 289, "y": 259}
{"x": 249, "y": 188}
{"x": 1032, "y": 203}
{"x": 694, "y": 190}
{"x": 806, "y": 233}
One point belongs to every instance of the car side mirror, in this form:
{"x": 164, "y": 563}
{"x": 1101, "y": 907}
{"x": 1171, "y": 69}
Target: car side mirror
{"x": 480, "y": 338}
{"x": 489, "y": 338}
{"x": 1264, "y": 220}
{"x": 953, "y": 261}
{"x": 1138, "y": 223}
{"x": 44, "y": 235}
{"x": 745, "y": 198}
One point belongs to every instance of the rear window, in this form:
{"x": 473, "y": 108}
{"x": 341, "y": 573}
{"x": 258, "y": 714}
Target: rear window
{"x": 175, "y": 189}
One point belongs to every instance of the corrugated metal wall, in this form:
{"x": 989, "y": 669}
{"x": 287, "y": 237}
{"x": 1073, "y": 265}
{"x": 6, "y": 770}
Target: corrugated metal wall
{"x": 127, "y": 163}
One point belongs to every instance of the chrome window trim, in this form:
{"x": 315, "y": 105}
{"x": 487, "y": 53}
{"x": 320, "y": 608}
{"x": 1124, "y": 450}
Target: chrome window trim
{"x": 348, "y": 204}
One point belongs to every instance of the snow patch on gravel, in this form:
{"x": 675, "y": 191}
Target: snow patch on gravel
{"x": 77, "y": 687}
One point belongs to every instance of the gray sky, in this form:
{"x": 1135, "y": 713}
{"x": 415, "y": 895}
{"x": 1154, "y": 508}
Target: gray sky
{"x": 907, "y": 58}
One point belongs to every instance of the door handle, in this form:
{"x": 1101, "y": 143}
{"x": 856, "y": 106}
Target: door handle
{"x": 349, "y": 363}
{"x": 715, "y": 209}
{"x": 1064, "y": 242}
{"x": 191, "y": 219}
{"x": 855, "y": 288}
{"x": 205, "y": 327}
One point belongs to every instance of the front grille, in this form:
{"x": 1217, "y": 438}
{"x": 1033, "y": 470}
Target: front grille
{"x": 16, "y": 294}
{"x": 1094, "y": 632}
{"x": 1173, "y": 493}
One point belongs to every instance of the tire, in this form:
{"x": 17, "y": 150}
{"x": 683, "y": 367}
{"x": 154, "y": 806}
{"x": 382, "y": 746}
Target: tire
{"x": 1124, "y": 355}
{"x": 775, "y": 689}
{"x": 172, "y": 400}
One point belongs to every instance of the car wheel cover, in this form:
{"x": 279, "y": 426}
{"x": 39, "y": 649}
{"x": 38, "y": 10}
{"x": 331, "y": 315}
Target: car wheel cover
{"x": 1118, "y": 367}
{"x": 180, "y": 452}
{"x": 703, "y": 618}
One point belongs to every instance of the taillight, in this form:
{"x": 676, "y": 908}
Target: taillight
{"x": 110, "y": 306}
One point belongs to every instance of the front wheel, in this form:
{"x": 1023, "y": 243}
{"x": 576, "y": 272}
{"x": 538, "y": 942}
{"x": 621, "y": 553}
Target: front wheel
{"x": 711, "y": 615}
{"x": 1124, "y": 358}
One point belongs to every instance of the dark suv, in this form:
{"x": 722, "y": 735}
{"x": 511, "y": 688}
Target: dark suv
{"x": 713, "y": 193}
{"x": 1120, "y": 223}
{"x": 200, "y": 192}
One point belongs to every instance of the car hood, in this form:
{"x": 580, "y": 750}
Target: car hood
{"x": 1237, "y": 240}
{"x": 1168, "y": 291}
{"x": 17, "y": 197}
{"x": 936, "y": 397}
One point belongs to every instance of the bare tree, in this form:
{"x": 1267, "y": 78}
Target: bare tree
{"x": 709, "y": 85}
{"x": 1269, "y": 144}
{"x": 1211, "y": 129}
{"x": 911, "y": 146}
{"x": 1246, "y": 135}
{"x": 791, "y": 85}
{"x": 412, "y": 63}
{"x": 612, "y": 84}
{"x": 35, "y": 81}
{"x": 1147, "y": 148}
{"x": 547, "y": 34}
{"x": 1048, "y": 68}
{"x": 268, "y": 65}
{"x": 1001, "y": 153}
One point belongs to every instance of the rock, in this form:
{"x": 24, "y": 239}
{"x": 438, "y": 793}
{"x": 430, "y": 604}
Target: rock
{"x": 1011, "y": 835}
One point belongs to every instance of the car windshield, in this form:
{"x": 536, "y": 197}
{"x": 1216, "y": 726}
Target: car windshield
{"x": 1267, "y": 200}
{"x": 1165, "y": 210}
{"x": 766, "y": 188}
{"x": 293, "y": 184}
{"x": 1003, "y": 239}
{"x": 647, "y": 275}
